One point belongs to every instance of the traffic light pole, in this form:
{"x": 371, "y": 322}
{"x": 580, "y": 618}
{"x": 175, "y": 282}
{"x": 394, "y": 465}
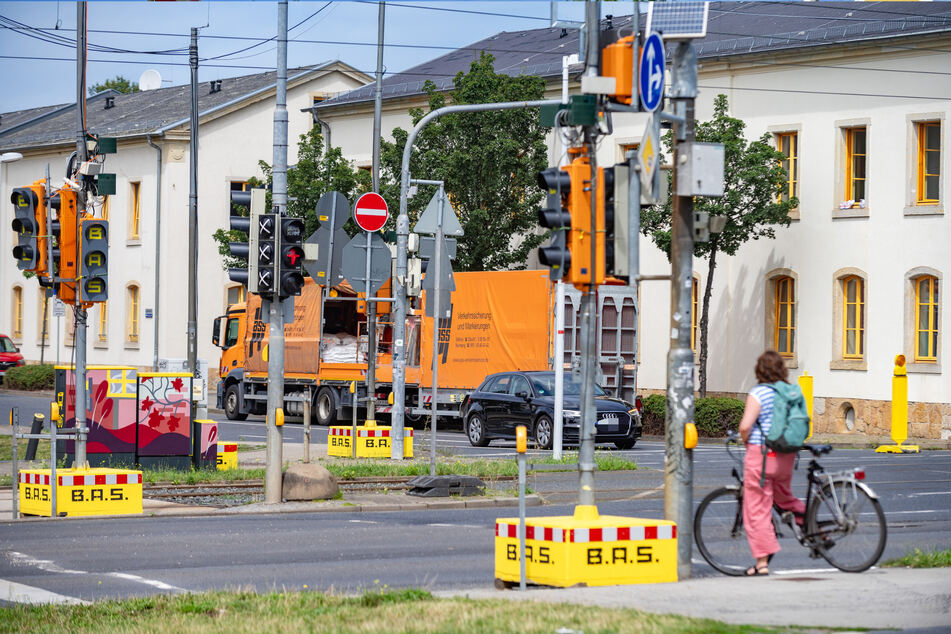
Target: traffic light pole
{"x": 79, "y": 455}
{"x": 678, "y": 476}
{"x": 273, "y": 477}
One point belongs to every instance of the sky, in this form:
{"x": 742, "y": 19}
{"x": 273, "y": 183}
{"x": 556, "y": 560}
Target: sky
{"x": 129, "y": 37}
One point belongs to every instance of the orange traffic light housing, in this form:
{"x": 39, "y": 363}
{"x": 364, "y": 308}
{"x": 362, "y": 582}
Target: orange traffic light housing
{"x": 584, "y": 270}
{"x": 29, "y": 223}
{"x": 617, "y": 60}
{"x": 65, "y": 253}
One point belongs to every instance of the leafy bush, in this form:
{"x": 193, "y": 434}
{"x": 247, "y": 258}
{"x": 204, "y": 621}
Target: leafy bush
{"x": 30, "y": 377}
{"x": 713, "y": 416}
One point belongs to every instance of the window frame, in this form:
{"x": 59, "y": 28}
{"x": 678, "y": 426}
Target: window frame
{"x": 133, "y": 333}
{"x": 103, "y": 334}
{"x": 41, "y": 318}
{"x": 839, "y": 359}
{"x": 850, "y": 155}
{"x": 921, "y": 162}
{"x": 792, "y": 175}
{"x": 788, "y": 306}
{"x": 17, "y": 314}
{"x": 694, "y": 310}
{"x": 135, "y": 210}
{"x": 910, "y": 326}
{"x": 859, "y": 327}
{"x": 934, "y": 319}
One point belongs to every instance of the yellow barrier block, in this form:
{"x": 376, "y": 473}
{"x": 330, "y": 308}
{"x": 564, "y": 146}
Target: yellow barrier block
{"x": 81, "y": 492}
{"x": 227, "y": 456}
{"x": 587, "y": 549}
{"x": 372, "y": 442}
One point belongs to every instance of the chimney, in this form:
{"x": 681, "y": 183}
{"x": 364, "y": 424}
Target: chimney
{"x": 110, "y": 103}
{"x": 215, "y": 86}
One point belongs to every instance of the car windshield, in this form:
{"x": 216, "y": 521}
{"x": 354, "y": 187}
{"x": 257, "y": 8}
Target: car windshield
{"x": 545, "y": 385}
{"x": 6, "y": 345}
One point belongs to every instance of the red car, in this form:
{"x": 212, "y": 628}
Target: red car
{"x": 10, "y": 356}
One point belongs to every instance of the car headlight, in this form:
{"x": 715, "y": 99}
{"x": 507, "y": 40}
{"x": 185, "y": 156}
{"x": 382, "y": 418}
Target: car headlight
{"x": 571, "y": 414}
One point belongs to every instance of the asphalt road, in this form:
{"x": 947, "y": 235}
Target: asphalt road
{"x": 98, "y": 558}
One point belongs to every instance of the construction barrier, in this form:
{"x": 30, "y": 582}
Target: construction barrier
{"x": 227, "y": 456}
{"x": 587, "y": 549}
{"x": 372, "y": 442}
{"x": 98, "y": 491}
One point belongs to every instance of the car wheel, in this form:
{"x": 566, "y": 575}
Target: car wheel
{"x": 625, "y": 444}
{"x": 326, "y": 407}
{"x": 543, "y": 432}
{"x": 232, "y": 398}
{"x": 475, "y": 430}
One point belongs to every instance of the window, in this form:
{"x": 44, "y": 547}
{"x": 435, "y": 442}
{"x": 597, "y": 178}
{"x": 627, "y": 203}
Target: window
{"x": 43, "y": 318}
{"x": 500, "y": 385}
{"x": 105, "y": 207}
{"x": 231, "y": 333}
{"x": 788, "y": 144}
{"x": 17, "y": 317}
{"x": 103, "y": 322}
{"x": 929, "y": 162}
{"x": 132, "y": 329}
{"x": 134, "y": 212}
{"x": 235, "y": 295}
{"x": 784, "y": 333}
{"x": 855, "y": 164}
{"x": 693, "y": 313}
{"x": 853, "y": 324}
{"x": 926, "y": 319}
{"x": 520, "y": 384}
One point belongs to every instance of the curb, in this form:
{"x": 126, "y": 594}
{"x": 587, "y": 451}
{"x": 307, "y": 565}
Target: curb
{"x": 36, "y": 393}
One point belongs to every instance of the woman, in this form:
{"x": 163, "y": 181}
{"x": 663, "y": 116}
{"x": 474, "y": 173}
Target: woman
{"x": 758, "y": 501}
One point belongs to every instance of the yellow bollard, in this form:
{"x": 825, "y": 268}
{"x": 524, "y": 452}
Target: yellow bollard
{"x": 899, "y": 411}
{"x": 805, "y": 384}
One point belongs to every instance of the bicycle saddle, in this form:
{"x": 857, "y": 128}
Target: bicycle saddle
{"x": 818, "y": 450}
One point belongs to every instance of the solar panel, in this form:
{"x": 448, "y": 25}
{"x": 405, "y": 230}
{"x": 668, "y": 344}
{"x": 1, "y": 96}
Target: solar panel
{"x": 678, "y": 20}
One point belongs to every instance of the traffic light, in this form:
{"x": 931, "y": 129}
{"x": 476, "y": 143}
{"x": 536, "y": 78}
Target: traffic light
{"x": 291, "y": 274}
{"x": 616, "y": 220}
{"x": 617, "y": 60}
{"x": 64, "y": 255}
{"x": 557, "y": 217}
{"x": 264, "y": 257}
{"x": 93, "y": 279}
{"x": 29, "y": 223}
{"x": 255, "y": 201}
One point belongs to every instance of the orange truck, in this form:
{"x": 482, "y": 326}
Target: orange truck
{"x": 500, "y": 321}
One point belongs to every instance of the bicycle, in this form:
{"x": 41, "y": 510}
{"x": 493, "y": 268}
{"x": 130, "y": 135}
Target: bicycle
{"x": 843, "y": 522}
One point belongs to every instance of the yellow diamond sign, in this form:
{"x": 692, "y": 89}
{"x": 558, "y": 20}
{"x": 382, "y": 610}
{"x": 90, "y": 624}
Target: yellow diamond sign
{"x": 648, "y": 155}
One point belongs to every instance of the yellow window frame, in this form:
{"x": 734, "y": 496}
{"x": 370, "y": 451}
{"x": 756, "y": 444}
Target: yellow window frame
{"x": 790, "y": 164}
{"x": 693, "y": 314}
{"x": 132, "y": 333}
{"x": 930, "y": 329}
{"x": 923, "y": 150}
{"x": 18, "y": 312}
{"x": 850, "y": 156}
{"x": 785, "y": 307}
{"x": 857, "y": 328}
{"x": 134, "y": 220}
{"x": 103, "y": 322}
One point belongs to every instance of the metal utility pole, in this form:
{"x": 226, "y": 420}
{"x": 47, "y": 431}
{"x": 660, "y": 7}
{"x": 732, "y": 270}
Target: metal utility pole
{"x": 371, "y": 306}
{"x": 589, "y": 300}
{"x": 273, "y": 479}
{"x": 193, "y": 210}
{"x": 79, "y": 457}
{"x": 678, "y": 477}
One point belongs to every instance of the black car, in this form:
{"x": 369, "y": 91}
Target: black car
{"x": 509, "y": 399}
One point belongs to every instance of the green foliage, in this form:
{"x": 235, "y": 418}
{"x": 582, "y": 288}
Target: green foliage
{"x": 713, "y": 416}
{"x": 918, "y": 558}
{"x": 117, "y": 83}
{"x": 317, "y": 172}
{"x": 30, "y": 377}
{"x": 488, "y": 162}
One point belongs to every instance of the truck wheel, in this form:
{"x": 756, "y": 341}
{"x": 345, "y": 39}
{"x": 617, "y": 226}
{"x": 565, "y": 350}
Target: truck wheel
{"x": 475, "y": 430}
{"x": 231, "y": 404}
{"x": 625, "y": 444}
{"x": 326, "y": 407}
{"x": 543, "y": 432}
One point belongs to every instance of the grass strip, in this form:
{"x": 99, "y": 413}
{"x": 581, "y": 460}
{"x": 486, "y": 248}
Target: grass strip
{"x": 6, "y": 449}
{"x": 377, "y": 611}
{"x": 918, "y": 558}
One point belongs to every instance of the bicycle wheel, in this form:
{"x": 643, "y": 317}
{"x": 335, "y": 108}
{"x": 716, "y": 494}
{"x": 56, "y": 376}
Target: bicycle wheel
{"x": 718, "y": 530}
{"x": 855, "y": 543}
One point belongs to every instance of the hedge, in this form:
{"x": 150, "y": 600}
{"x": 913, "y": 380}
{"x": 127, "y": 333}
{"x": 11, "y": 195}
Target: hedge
{"x": 30, "y": 377}
{"x": 712, "y": 415}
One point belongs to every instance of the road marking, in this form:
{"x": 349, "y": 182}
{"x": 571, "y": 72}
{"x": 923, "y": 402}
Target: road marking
{"x": 438, "y": 525}
{"x": 20, "y": 593}
{"x": 804, "y": 571}
{"x": 915, "y": 495}
{"x": 363, "y": 522}
{"x": 48, "y": 566}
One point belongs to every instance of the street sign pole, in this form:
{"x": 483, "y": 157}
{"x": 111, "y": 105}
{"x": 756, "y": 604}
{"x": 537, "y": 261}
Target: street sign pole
{"x": 371, "y": 347}
{"x": 437, "y": 314}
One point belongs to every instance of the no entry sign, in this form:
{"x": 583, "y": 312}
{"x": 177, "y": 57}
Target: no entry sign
{"x": 370, "y": 212}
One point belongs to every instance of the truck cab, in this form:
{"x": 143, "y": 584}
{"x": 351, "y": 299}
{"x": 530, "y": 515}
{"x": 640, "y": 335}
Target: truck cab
{"x": 228, "y": 334}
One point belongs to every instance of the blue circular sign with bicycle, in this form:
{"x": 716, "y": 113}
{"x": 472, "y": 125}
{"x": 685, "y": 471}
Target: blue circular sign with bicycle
{"x": 651, "y": 73}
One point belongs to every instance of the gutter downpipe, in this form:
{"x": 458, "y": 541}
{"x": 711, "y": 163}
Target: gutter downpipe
{"x": 158, "y": 247}
{"x": 402, "y": 237}
{"x": 323, "y": 126}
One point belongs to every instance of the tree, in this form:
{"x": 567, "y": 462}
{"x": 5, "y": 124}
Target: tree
{"x": 316, "y": 173}
{"x": 488, "y": 162}
{"x": 751, "y": 202}
{"x": 117, "y": 83}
